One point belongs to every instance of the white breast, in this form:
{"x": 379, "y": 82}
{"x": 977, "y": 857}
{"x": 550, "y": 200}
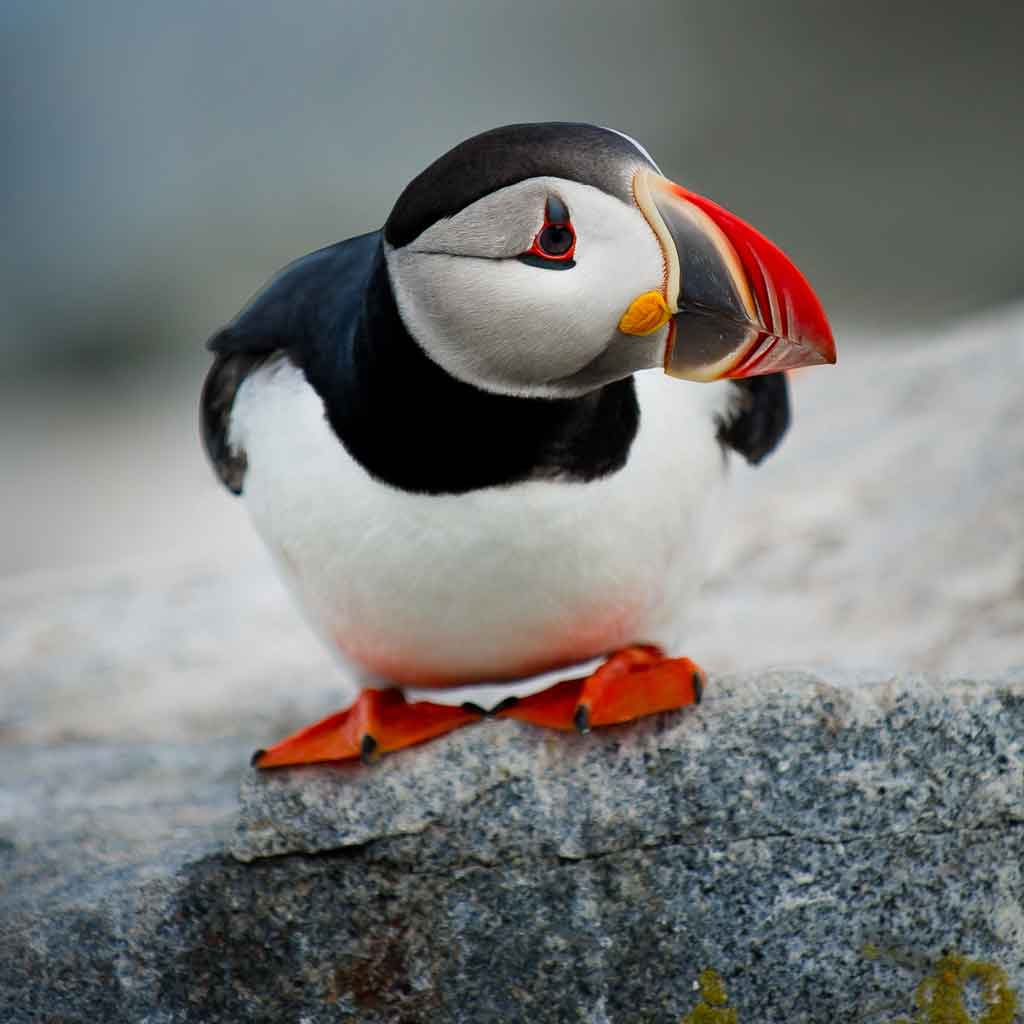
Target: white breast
{"x": 493, "y": 584}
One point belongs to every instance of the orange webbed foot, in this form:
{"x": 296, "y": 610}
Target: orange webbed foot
{"x": 379, "y": 721}
{"x": 633, "y": 682}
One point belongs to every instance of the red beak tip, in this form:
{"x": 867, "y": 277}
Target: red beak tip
{"x": 828, "y": 351}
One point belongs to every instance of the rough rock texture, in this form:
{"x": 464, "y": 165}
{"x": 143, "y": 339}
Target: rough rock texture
{"x": 782, "y": 832}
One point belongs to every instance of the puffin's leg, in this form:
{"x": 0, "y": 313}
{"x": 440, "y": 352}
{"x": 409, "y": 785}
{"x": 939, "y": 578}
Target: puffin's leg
{"x": 379, "y": 721}
{"x": 633, "y": 682}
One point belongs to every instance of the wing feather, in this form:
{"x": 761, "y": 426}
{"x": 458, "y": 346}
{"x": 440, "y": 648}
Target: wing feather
{"x": 761, "y": 417}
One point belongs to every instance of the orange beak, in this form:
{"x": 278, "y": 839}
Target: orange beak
{"x": 739, "y": 306}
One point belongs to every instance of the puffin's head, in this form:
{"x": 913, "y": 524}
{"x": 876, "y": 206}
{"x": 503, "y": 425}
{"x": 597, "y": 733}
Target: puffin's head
{"x": 550, "y": 259}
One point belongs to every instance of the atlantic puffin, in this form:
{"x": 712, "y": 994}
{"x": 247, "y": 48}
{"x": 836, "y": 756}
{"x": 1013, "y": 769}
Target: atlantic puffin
{"x": 484, "y": 444}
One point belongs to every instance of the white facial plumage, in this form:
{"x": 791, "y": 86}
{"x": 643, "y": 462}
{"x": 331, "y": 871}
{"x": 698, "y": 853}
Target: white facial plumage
{"x": 511, "y": 328}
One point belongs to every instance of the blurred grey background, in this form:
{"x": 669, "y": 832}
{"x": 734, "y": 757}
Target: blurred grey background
{"x": 162, "y": 160}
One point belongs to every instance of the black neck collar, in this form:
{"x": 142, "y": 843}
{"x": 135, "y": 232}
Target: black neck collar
{"x": 412, "y": 425}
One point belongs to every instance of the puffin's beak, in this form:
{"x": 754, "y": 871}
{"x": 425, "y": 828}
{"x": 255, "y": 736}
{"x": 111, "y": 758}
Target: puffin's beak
{"x": 736, "y": 304}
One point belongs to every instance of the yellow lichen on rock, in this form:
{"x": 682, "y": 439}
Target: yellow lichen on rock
{"x": 712, "y": 1008}
{"x": 940, "y": 997}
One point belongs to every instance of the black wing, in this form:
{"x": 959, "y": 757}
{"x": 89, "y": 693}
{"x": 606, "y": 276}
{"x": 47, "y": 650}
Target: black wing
{"x": 761, "y": 419}
{"x": 297, "y": 314}
{"x": 219, "y": 389}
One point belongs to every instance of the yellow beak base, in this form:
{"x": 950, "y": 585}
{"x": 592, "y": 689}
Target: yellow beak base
{"x": 647, "y": 313}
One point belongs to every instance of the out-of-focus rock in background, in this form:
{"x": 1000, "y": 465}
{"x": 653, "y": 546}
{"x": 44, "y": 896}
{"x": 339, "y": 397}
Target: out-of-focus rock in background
{"x": 889, "y": 527}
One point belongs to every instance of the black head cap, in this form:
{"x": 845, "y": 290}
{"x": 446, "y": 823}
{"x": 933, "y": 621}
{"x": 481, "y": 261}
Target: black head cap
{"x": 503, "y": 156}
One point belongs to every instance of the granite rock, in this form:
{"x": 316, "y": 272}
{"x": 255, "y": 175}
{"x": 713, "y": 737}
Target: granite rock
{"x": 819, "y": 839}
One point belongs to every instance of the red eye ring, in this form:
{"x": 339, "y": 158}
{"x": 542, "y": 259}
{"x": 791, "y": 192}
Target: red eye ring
{"x": 555, "y": 244}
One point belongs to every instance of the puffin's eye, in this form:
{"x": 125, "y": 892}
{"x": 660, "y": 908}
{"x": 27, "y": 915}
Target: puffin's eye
{"x": 555, "y": 239}
{"x": 555, "y": 243}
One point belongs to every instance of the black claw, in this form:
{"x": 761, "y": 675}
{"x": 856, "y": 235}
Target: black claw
{"x": 581, "y": 719}
{"x": 508, "y": 702}
{"x": 698, "y": 688}
{"x": 475, "y": 709}
{"x": 255, "y": 759}
{"x": 367, "y": 746}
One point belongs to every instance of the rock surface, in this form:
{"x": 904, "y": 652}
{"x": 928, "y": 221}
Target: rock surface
{"x": 818, "y": 840}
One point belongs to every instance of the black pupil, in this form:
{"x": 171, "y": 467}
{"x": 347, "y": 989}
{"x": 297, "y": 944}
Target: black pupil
{"x": 556, "y": 239}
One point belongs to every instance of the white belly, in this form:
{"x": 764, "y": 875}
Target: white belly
{"x": 493, "y": 584}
